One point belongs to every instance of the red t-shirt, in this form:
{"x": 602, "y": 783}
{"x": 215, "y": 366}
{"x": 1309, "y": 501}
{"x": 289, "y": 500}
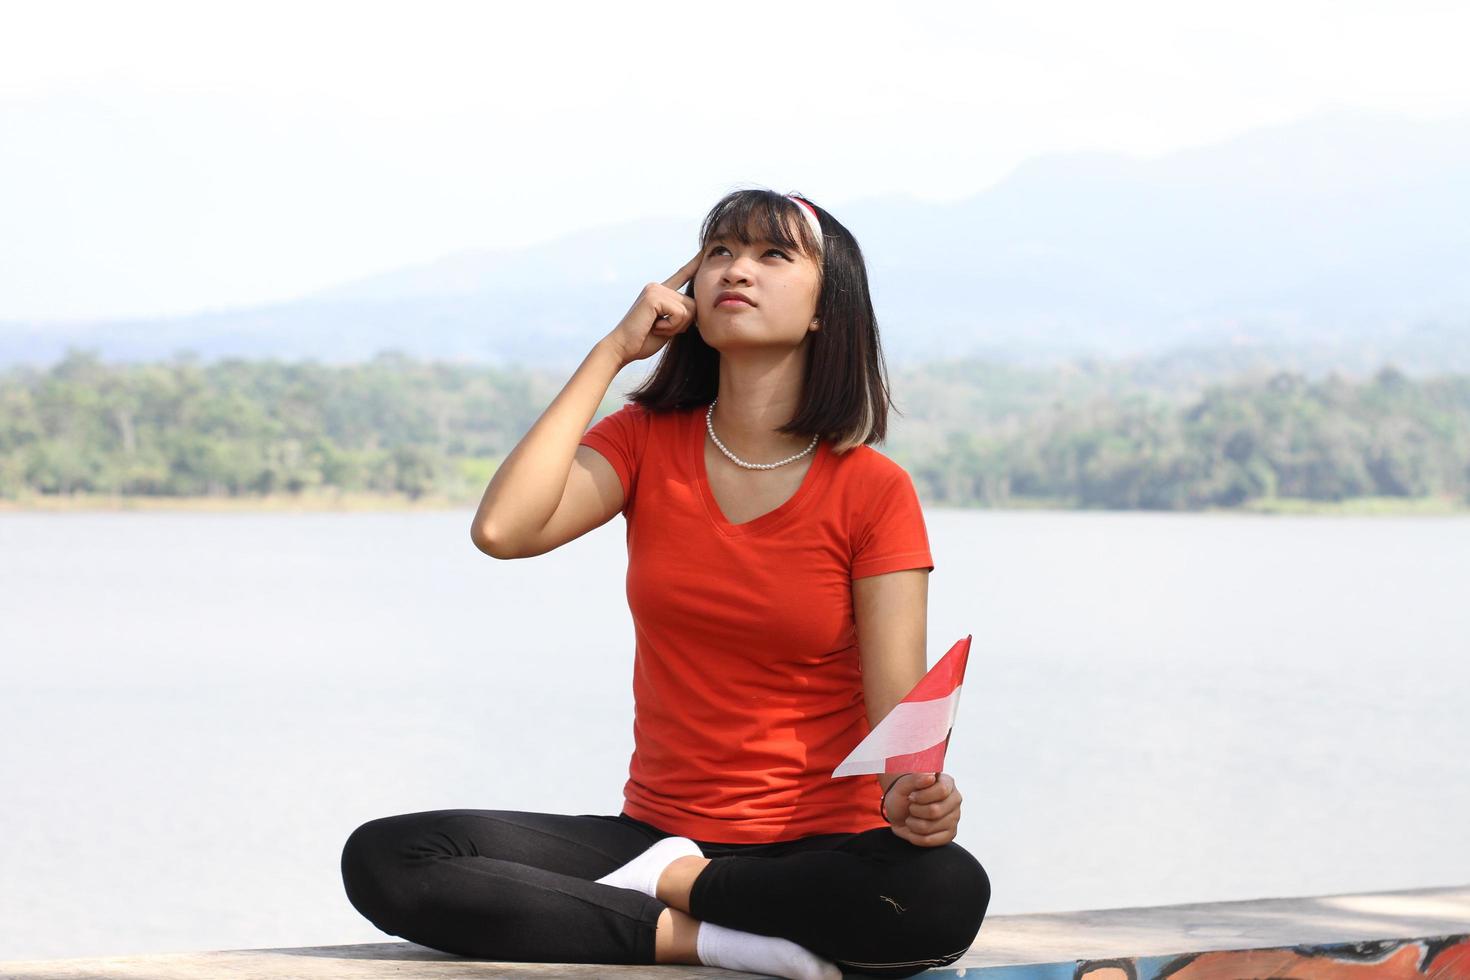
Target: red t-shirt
{"x": 746, "y": 681}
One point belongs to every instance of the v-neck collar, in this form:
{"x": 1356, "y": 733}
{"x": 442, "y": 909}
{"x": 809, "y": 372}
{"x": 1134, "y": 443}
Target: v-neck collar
{"x": 698, "y": 434}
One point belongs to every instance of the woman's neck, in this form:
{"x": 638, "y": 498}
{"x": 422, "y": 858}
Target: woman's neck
{"x": 746, "y": 419}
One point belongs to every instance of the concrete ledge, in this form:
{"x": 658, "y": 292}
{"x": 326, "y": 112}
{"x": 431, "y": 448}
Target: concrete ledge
{"x": 1422, "y": 932}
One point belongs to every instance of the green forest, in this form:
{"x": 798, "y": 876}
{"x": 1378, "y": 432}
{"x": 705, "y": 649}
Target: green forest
{"x": 971, "y": 433}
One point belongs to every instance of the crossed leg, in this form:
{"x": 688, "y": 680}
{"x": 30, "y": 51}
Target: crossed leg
{"x": 503, "y": 885}
{"x": 871, "y": 902}
{"x": 515, "y": 885}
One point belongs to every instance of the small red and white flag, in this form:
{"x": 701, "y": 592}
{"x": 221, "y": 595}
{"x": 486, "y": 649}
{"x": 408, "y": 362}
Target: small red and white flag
{"x": 913, "y": 736}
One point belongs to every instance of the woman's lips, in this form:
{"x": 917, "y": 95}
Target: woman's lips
{"x": 732, "y": 303}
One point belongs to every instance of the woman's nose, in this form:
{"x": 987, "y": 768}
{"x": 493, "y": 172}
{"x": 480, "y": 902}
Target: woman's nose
{"x": 735, "y": 271}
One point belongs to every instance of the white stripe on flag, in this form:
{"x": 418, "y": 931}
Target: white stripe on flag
{"x": 910, "y": 727}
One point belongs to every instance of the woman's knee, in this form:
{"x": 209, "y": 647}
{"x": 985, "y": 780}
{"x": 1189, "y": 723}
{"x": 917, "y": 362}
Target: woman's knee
{"x": 964, "y": 879}
{"x": 959, "y": 891}
{"x": 370, "y": 856}
{"x": 958, "y": 870}
{"x": 932, "y": 906}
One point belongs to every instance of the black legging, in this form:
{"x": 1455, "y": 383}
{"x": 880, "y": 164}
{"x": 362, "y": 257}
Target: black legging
{"x": 507, "y": 885}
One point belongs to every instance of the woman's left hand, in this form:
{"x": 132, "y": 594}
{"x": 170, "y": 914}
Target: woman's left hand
{"x": 923, "y": 809}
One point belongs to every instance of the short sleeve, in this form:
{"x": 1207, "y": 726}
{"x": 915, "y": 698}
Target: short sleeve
{"x": 620, "y": 437}
{"x": 892, "y": 536}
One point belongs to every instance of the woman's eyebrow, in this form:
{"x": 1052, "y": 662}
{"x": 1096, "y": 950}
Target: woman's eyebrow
{"x": 758, "y": 239}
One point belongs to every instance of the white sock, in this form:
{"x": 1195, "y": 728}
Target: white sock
{"x": 732, "y": 949}
{"x": 642, "y": 873}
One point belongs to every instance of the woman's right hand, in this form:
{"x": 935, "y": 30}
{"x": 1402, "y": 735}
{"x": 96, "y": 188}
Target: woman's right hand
{"x": 659, "y": 312}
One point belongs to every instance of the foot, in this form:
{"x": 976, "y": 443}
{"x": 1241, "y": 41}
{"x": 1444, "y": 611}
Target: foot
{"x": 643, "y": 872}
{"x": 732, "y": 949}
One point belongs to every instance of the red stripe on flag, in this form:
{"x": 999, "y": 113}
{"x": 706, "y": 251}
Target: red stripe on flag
{"x": 945, "y": 675}
{"x": 929, "y": 760}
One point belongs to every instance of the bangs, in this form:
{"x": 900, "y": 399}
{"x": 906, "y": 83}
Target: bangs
{"x": 768, "y": 217}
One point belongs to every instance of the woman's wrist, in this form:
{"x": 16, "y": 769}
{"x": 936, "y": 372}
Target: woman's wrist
{"x": 883, "y": 799}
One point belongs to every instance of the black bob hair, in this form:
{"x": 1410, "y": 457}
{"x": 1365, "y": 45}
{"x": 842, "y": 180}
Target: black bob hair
{"x": 845, "y": 395}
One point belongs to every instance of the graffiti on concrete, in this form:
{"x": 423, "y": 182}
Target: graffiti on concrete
{"x": 1437, "y": 958}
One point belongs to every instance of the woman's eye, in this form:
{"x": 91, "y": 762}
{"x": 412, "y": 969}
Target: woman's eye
{"x": 721, "y": 248}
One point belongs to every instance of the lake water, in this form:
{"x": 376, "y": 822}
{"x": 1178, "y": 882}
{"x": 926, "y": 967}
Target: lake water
{"x": 1159, "y": 708}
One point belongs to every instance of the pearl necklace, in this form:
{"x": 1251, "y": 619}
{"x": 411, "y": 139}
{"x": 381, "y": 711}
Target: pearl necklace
{"x": 709, "y": 423}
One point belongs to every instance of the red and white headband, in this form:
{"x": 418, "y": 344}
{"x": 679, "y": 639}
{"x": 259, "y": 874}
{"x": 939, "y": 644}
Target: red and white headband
{"x": 810, "y": 213}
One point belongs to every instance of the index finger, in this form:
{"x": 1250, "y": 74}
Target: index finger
{"x": 678, "y": 279}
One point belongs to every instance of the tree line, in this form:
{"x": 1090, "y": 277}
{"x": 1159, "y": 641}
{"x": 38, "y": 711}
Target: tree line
{"x": 398, "y": 426}
{"x": 1237, "y": 442}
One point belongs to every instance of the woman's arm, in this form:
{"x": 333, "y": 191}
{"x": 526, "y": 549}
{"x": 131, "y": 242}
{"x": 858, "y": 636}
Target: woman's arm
{"x": 530, "y": 483}
{"x": 892, "y": 613}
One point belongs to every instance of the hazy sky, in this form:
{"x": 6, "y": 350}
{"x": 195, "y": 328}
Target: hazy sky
{"x": 170, "y": 157}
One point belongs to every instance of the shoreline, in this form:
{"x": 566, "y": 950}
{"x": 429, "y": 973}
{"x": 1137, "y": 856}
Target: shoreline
{"x": 274, "y": 503}
{"x": 371, "y": 502}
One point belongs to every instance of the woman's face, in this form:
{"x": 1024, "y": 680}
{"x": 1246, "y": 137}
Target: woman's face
{"x": 781, "y": 284}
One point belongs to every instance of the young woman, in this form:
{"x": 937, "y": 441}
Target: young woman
{"x": 778, "y": 580}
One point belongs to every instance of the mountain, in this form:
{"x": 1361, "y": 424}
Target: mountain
{"x": 1340, "y": 239}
